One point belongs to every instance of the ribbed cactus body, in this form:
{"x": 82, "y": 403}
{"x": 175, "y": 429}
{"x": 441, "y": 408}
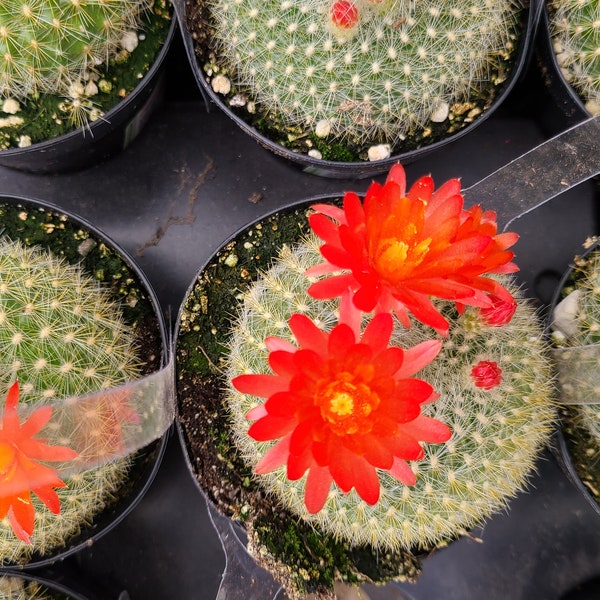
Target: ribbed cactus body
{"x": 60, "y": 336}
{"x": 575, "y": 30}
{"x": 45, "y": 45}
{"x": 400, "y": 66}
{"x": 497, "y": 433}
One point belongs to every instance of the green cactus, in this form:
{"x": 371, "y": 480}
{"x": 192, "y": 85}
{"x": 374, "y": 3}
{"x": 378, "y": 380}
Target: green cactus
{"x": 391, "y": 70}
{"x": 575, "y": 33}
{"x": 60, "y": 336}
{"x": 497, "y": 434}
{"x": 48, "y": 45}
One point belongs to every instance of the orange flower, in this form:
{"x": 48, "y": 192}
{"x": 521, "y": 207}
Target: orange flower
{"x": 342, "y": 406}
{"x": 20, "y": 471}
{"x": 399, "y": 249}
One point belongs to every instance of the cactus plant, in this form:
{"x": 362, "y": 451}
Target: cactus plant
{"x": 383, "y": 75}
{"x": 62, "y": 58}
{"x": 75, "y": 315}
{"x": 576, "y": 327}
{"x": 575, "y": 33}
{"x": 18, "y": 588}
{"x": 492, "y": 375}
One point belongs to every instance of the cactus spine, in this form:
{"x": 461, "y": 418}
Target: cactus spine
{"x": 575, "y": 31}
{"x": 48, "y": 45}
{"x": 371, "y": 74}
{"x": 60, "y": 336}
{"x": 497, "y": 433}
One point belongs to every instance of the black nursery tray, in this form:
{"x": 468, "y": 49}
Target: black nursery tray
{"x": 184, "y": 186}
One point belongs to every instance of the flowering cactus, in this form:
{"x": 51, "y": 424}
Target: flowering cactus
{"x": 356, "y": 435}
{"x": 61, "y": 336}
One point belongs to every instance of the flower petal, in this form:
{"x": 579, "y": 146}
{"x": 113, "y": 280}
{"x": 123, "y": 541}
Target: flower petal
{"x": 318, "y": 483}
{"x": 275, "y": 457}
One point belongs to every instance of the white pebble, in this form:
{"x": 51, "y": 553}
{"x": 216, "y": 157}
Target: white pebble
{"x": 11, "y": 106}
{"x": 322, "y": 128}
{"x": 379, "y": 152}
{"x": 24, "y": 141}
{"x": 440, "y": 112}
{"x": 314, "y": 153}
{"x": 221, "y": 84}
{"x": 564, "y": 318}
{"x": 593, "y": 107}
{"x": 129, "y": 41}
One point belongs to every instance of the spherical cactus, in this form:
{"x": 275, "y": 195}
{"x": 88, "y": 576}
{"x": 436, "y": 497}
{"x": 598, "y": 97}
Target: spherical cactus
{"x": 576, "y": 324}
{"x": 365, "y": 72}
{"x": 48, "y": 45}
{"x": 575, "y": 32}
{"x": 60, "y": 336}
{"x": 495, "y": 394}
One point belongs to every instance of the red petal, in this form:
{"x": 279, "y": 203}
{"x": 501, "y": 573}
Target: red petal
{"x": 398, "y": 176}
{"x": 270, "y": 428}
{"x": 259, "y": 384}
{"x": 36, "y": 421}
{"x": 402, "y": 472}
{"x": 353, "y": 212}
{"x": 377, "y": 452}
{"x": 275, "y": 457}
{"x": 418, "y": 357}
{"x": 426, "y": 429}
{"x": 317, "y": 488}
{"x": 378, "y": 332}
{"x": 307, "y": 334}
{"x": 282, "y": 363}
{"x": 332, "y": 287}
{"x": 325, "y": 228}
{"x": 21, "y": 515}
{"x": 49, "y": 497}
{"x": 12, "y": 397}
{"x": 335, "y": 212}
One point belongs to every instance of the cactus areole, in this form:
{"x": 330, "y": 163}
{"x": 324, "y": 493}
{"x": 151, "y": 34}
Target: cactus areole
{"x": 379, "y": 387}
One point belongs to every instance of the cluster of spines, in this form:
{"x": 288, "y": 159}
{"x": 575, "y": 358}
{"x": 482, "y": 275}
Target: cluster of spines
{"x": 48, "y": 45}
{"x": 575, "y": 30}
{"x": 61, "y": 336}
{"x": 497, "y": 434}
{"x": 403, "y": 64}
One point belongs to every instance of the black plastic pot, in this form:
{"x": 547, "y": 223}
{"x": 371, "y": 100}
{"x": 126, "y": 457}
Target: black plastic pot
{"x": 566, "y": 107}
{"x": 147, "y": 460}
{"x": 363, "y": 169}
{"x": 103, "y": 138}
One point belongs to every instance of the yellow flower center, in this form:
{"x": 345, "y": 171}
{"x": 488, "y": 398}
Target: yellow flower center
{"x": 346, "y": 404}
{"x": 395, "y": 259}
{"x": 7, "y": 461}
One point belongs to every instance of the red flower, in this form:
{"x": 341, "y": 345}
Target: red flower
{"x": 343, "y": 406}
{"x": 399, "y": 249}
{"x": 486, "y": 374}
{"x": 20, "y": 471}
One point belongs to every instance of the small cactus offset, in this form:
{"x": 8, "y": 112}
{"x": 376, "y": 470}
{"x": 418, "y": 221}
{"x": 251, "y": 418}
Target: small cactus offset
{"x": 575, "y": 32}
{"x": 48, "y": 45}
{"x": 366, "y": 72}
{"x": 60, "y": 336}
{"x": 15, "y": 588}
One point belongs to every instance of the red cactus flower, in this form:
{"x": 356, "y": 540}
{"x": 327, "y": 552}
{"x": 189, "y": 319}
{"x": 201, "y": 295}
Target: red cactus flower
{"x": 344, "y": 14}
{"x": 20, "y": 471}
{"x": 399, "y": 249}
{"x": 486, "y": 374}
{"x": 342, "y": 405}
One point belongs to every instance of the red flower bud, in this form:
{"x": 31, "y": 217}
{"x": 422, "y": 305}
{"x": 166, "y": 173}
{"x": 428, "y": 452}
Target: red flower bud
{"x": 486, "y": 374}
{"x": 344, "y": 14}
{"x": 499, "y": 313}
